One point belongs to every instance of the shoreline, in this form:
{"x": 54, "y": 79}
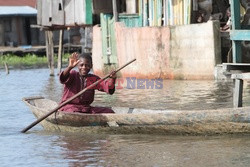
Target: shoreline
{"x": 38, "y": 50}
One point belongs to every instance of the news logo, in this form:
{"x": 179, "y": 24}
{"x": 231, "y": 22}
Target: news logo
{"x": 134, "y": 83}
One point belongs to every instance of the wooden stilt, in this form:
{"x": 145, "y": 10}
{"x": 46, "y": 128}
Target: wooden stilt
{"x": 60, "y": 51}
{"x": 115, "y": 14}
{"x": 238, "y": 87}
{"x": 50, "y": 51}
{"x": 6, "y": 68}
{"x": 85, "y": 39}
{"x": 238, "y": 90}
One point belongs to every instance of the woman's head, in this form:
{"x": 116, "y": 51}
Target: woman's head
{"x": 85, "y": 64}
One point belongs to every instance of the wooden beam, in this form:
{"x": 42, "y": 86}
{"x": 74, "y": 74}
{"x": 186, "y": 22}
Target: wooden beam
{"x": 237, "y": 53}
{"x": 238, "y": 90}
{"x": 115, "y": 10}
{"x": 50, "y": 51}
{"x": 58, "y": 27}
{"x": 236, "y": 66}
{"x": 235, "y": 14}
{"x": 243, "y": 76}
{"x": 240, "y": 35}
{"x": 60, "y": 52}
{"x": 235, "y": 17}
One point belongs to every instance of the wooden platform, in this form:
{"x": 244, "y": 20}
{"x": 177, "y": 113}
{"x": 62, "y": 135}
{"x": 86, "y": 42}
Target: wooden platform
{"x": 238, "y": 72}
{"x": 228, "y": 67}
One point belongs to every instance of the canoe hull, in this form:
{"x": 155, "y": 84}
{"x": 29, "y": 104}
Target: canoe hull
{"x": 126, "y": 121}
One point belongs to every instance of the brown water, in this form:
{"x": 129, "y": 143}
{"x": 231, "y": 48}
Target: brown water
{"x": 40, "y": 148}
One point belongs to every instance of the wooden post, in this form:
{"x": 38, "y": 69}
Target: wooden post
{"x": 238, "y": 87}
{"x": 50, "y": 51}
{"x": 195, "y": 5}
{"x": 238, "y": 90}
{"x": 115, "y": 10}
{"x": 6, "y": 68}
{"x": 145, "y": 12}
{"x": 165, "y": 12}
{"x": 236, "y": 44}
{"x": 60, "y": 51}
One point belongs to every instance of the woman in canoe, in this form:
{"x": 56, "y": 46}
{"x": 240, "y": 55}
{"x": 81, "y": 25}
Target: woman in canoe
{"x": 75, "y": 81}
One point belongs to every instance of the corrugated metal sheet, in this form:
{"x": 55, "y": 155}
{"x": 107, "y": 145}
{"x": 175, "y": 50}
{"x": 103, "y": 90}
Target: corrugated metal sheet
{"x": 178, "y": 12}
{"x": 165, "y": 12}
{"x": 17, "y": 11}
{"x": 155, "y": 12}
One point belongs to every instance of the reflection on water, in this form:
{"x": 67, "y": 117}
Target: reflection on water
{"x": 148, "y": 150}
{"x": 174, "y": 95}
{"x": 53, "y": 89}
{"x": 40, "y": 148}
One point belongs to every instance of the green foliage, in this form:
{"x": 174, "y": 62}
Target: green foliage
{"x": 29, "y": 60}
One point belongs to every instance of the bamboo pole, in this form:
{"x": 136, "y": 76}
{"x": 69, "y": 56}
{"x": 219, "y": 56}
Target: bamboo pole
{"x": 60, "y": 51}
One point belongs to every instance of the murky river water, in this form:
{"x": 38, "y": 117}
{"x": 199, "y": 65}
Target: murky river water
{"x": 40, "y": 148}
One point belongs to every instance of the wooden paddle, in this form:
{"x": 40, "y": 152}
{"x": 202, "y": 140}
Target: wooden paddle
{"x": 73, "y": 97}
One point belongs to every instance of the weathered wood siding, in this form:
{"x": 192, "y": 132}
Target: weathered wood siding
{"x": 19, "y": 32}
{"x": 64, "y": 12}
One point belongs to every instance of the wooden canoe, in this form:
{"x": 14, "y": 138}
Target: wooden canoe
{"x": 136, "y": 120}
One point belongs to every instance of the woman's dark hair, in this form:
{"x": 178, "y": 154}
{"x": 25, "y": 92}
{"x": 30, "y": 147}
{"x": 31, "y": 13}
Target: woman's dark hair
{"x": 85, "y": 56}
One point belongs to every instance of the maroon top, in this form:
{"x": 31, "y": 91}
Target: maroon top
{"x": 75, "y": 83}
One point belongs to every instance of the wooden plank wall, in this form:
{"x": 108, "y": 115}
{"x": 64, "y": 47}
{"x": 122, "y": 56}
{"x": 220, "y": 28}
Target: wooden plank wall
{"x": 69, "y": 12}
{"x": 57, "y": 12}
{"x": 64, "y": 12}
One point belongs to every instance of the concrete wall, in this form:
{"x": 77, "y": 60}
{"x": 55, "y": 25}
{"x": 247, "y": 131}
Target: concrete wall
{"x": 149, "y": 45}
{"x": 195, "y": 50}
{"x": 180, "y": 52}
{"x": 97, "y": 58}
